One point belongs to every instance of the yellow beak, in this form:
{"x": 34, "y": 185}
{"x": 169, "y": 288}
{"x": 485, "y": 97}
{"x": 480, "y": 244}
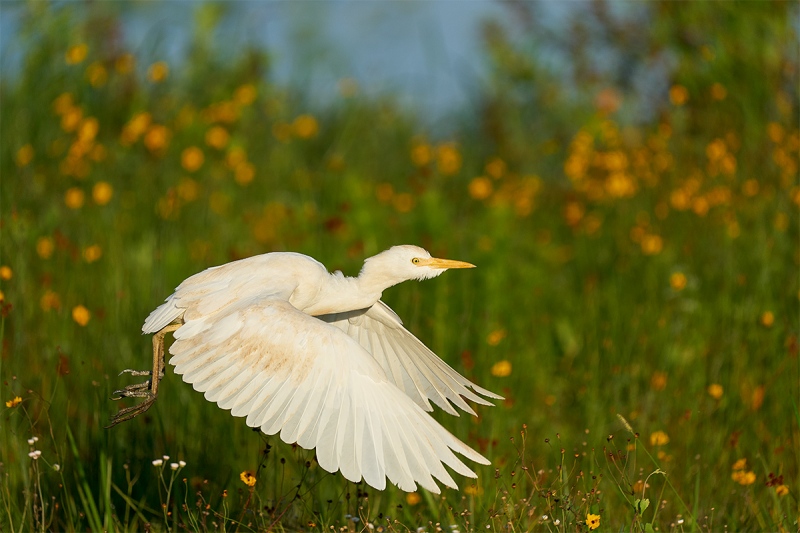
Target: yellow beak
{"x": 435, "y": 262}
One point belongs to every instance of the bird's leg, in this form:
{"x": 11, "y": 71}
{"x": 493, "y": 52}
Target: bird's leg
{"x": 148, "y": 389}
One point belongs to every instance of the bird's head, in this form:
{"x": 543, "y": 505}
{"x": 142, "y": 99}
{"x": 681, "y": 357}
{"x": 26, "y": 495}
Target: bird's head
{"x": 407, "y": 262}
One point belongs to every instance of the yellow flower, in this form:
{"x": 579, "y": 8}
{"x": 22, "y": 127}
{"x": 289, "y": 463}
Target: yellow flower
{"x": 188, "y": 189}
{"x": 743, "y": 477}
{"x": 678, "y": 95}
{"x": 740, "y": 464}
{"x": 716, "y": 391}
{"x": 659, "y": 381}
{"x": 496, "y": 336}
{"x": 244, "y": 173}
{"x": 44, "y": 247}
{"x": 125, "y": 63}
{"x": 217, "y": 137}
{"x": 192, "y": 158}
{"x": 573, "y": 213}
{"x": 63, "y": 103}
{"x": 248, "y": 478}
{"x": 157, "y": 138}
{"x": 50, "y": 300}
{"x": 421, "y": 154}
{"x": 71, "y": 119}
{"x": 473, "y": 490}
{"x": 412, "y": 498}
{"x": 384, "y": 192}
{"x": 76, "y": 54}
{"x": 97, "y": 74}
{"x": 678, "y": 281}
{"x": 245, "y": 95}
{"x": 81, "y": 315}
{"x": 780, "y": 490}
{"x": 593, "y": 520}
{"x": 25, "y": 155}
{"x": 501, "y": 369}
{"x": 235, "y": 155}
{"x": 16, "y": 400}
{"x": 88, "y": 129}
{"x": 480, "y": 188}
{"x": 718, "y": 91}
{"x": 403, "y": 202}
{"x": 6, "y": 273}
{"x": 92, "y": 253}
{"x": 102, "y": 192}
{"x": 659, "y": 438}
{"x": 74, "y": 198}
{"x": 652, "y": 244}
{"x": 767, "y": 319}
{"x": 496, "y": 168}
{"x": 305, "y": 126}
{"x": 448, "y": 159}
{"x": 158, "y": 72}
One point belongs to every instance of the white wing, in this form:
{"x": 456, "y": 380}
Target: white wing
{"x": 291, "y": 373}
{"x": 408, "y": 363}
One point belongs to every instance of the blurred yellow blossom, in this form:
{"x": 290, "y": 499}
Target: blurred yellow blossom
{"x": 652, "y": 244}
{"x": 76, "y": 54}
{"x": 658, "y": 381}
{"x": 25, "y": 155}
{"x": 496, "y": 168}
{"x": 63, "y": 103}
{"x": 71, "y": 119}
{"x": 6, "y": 273}
{"x": 750, "y": 187}
{"x": 305, "y": 126}
{"x": 384, "y": 192}
{"x": 74, "y": 198}
{"x": 473, "y": 490}
{"x": 13, "y": 402}
{"x": 659, "y": 438}
{"x": 102, "y": 192}
{"x": 248, "y": 478}
{"x": 217, "y": 137}
{"x": 403, "y": 202}
{"x": 593, "y": 521}
{"x": 448, "y": 158}
{"x": 157, "y": 138}
{"x": 188, "y": 189}
{"x": 496, "y": 336}
{"x": 92, "y": 253}
{"x": 244, "y": 173}
{"x": 740, "y": 464}
{"x": 716, "y": 149}
{"x": 480, "y": 188}
{"x": 677, "y": 281}
{"x": 245, "y": 94}
{"x": 158, "y": 72}
{"x": 412, "y": 498}
{"x": 135, "y": 128}
{"x": 780, "y": 490}
{"x": 718, "y": 91}
{"x": 81, "y": 315}
{"x": 235, "y": 155}
{"x": 501, "y": 369}
{"x": 97, "y": 74}
{"x": 44, "y": 247}
{"x": 50, "y": 300}
{"x": 678, "y": 95}
{"x": 620, "y": 185}
{"x": 124, "y": 64}
{"x": 716, "y": 391}
{"x": 421, "y": 154}
{"x": 192, "y": 158}
{"x": 767, "y": 319}
{"x": 743, "y": 477}
{"x": 573, "y": 213}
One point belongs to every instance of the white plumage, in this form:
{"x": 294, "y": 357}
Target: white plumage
{"x": 318, "y": 358}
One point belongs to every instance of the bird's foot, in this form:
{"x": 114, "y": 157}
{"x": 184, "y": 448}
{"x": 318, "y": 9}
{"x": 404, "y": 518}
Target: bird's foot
{"x": 135, "y": 410}
{"x": 137, "y": 390}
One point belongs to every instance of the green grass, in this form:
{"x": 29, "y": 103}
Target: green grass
{"x": 625, "y": 266}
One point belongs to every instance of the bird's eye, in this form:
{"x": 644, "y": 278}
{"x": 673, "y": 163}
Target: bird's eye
{"x": 415, "y": 260}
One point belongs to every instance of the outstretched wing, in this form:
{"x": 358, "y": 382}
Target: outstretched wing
{"x": 408, "y": 363}
{"x": 291, "y": 373}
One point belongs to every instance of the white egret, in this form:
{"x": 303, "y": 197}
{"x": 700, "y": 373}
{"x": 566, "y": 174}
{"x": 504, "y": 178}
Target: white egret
{"x": 321, "y": 359}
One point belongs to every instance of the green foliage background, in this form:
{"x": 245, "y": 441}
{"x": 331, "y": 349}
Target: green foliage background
{"x": 637, "y": 252}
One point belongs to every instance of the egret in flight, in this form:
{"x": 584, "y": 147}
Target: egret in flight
{"x": 320, "y": 359}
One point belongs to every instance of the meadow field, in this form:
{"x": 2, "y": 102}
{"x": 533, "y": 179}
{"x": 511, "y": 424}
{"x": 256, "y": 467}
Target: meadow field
{"x": 635, "y": 302}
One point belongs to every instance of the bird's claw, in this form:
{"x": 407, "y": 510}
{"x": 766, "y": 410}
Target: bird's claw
{"x": 135, "y": 410}
{"x": 133, "y": 372}
{"x": 137, "y": 390}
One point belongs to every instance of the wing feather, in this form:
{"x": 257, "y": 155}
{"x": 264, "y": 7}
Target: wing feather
{"x": 292, "y": 374}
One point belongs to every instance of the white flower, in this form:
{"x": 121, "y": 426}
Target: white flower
{"x": 181, "y": 463}
{"x": 35, "y": 454}
{"x": 174, "y": 466}
{"x": 35, "y": 439}
{"x": 31, "y": 441}
{"x": 556, "y": 522}
{"x": 57, "y": 467}
{"x": 166, "y": 457}
{"x": 158, "y": 462}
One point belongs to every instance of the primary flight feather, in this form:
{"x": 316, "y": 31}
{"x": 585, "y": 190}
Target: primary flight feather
{"x": 320, "y": 359}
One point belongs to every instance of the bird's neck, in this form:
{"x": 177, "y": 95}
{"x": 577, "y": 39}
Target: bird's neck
{"x": 343, "y": 293}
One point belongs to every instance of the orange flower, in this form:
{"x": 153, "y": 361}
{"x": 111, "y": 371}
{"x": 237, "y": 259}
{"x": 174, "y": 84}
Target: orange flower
{"x": 158, "y": 72}
{"x": 217, "y": 137}
{"x": 25, "y": 155}
{"x": 81, "y": 315}
{"x": 76, "y": 54}
{"x": 245, "y": 95}
{"x": 716, "y": 391}
{"x": 678, "y": 95}
{"x": 248, "y": 478}
{"x": 678, "y": 281}
{"x": 659, "y": 438}
{"x": 305, "y": 126}
{"x": 192, "y": 158}
{"x": 480, "y": 188}
{"x": 501, "y": 369}
{"x": 6, "y": 273}
{"x": 412, "y": 498}
{"x": 157, "y": 138}
{"x": 448, "y": 159}
{"x": 92, "y": 253}
{"x": 74, "y": 198}
{"x": 496, "y": 336}
{"x": 16, "y": 400}
{"x": 102, "y": 192}
{"x": 767, "y": 319}
{"x": 44, "y": 247}
{"x": 421, "y": 154}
